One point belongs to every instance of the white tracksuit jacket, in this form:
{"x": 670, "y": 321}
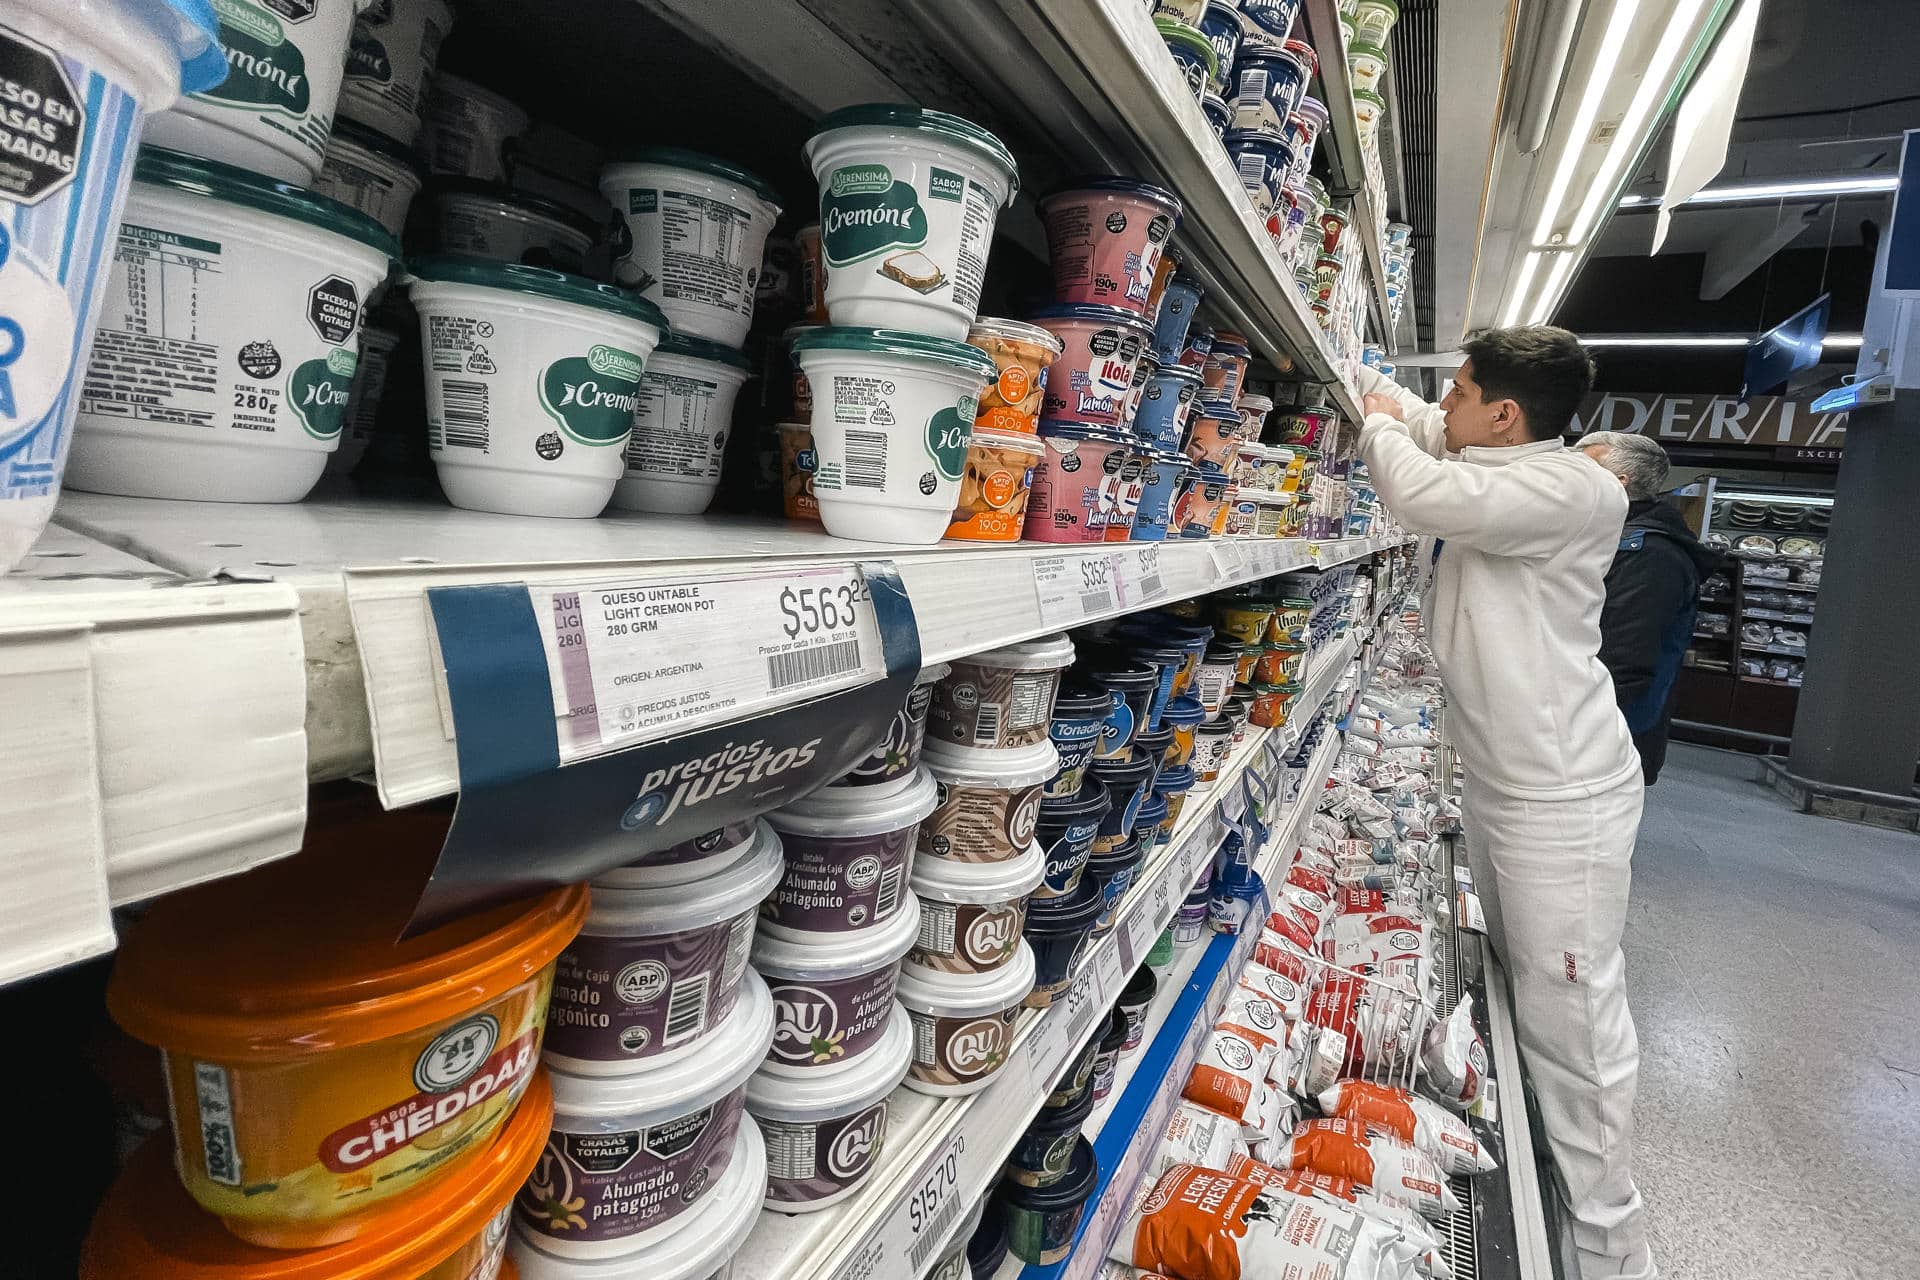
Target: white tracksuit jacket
{"x": 1553, "y": 794}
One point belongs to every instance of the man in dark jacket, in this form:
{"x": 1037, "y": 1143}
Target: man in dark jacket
{"x": 1653, "y": 590}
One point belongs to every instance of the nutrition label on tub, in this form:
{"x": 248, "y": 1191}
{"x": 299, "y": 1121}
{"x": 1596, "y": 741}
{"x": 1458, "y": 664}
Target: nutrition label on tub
{"x": 153, "y": 360}
{"x": 703, "y": 251}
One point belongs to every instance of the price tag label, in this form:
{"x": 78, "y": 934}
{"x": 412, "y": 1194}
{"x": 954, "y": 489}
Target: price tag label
{"x": 1110, "y": 971}
{"x": 934, "y": 1201}
{"x": 1140, "y": 572}
{"x": 1072, "y": 589}
{"x": 642, "y": 659}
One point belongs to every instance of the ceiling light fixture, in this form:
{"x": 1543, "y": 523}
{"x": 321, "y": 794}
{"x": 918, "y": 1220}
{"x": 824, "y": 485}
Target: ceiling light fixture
{"x": 1679, "y": 340}
{"x": 1757, "y": 191}
{"x": 1518, "y": 298}
{"x": 1599, "y": 78}
{"x": 1549, "y": 300}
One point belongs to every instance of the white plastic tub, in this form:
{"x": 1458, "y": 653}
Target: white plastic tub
{"x": 824, "y": 1130}
{"x": 377, "y": 345}
{"x": 1001, "y": 699}
{"x": 630, "y": 1155}
{"x": 706, "y": 854}
{"x": 396, "y": 45}
{"x": 963, "y": 1024}
{"x": 892, "y": 418}
{"x": 652, "y": 974}
{"x": 488, "y": 220}
{"x": 989, "y": 800}
{"x": 680, "y": 431}
{"x": 972, "y": 914}
{"x": 367, "y": 171}
{"x": 122, "y": 60}
{"x": 908, "y": 199}
{"x": 890, "y": 767}
{"x": 272, "y": 113}
{"x": 227, "y": 343}
{"x": 832, "y": 995}
{"x": 533, "y": 378}
{"x": 469, "y": 131}
{"x": 848, "y": 858}
{"x": 701, "y": 1247}
{"x": 696, "y": 229}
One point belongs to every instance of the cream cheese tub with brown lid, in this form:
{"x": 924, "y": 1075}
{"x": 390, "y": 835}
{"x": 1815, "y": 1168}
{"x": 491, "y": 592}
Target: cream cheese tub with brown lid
{"x": 963, "y": 1023}
{"x": 453, "y": 1229}
{"x": 316, "y": 1068}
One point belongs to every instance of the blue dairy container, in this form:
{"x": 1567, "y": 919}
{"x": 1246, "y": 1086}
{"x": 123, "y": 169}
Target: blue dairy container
{"x": 1221, "y": 26}
{"x": 1161, "y": 417}
{"x": 1165, "y": 475}
{"x": 1177, "y": 307}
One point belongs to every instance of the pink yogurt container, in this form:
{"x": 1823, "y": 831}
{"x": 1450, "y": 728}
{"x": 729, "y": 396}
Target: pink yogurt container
{"x": 1080, "y": 482}
{"x": 1105, "y": 237}
{"x": 1304, "y": 426}
{"x": 1092, "y": 380}
{"x": 1133, "y": 484}
{"x": 1214, "y": 438}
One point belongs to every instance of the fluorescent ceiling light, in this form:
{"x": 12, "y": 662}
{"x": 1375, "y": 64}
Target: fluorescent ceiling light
{"x": 1518, "y": 298}
{"x": 1678, "y": 340}
{"x": 1550, "y": 291}
{"x": 1626, "y": 139}
{"x": 1862, "y": 186}
{"x": 1619, "y": 25}
{"x": 1796, "y": 499}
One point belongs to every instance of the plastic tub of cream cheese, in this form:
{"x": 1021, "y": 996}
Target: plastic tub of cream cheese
{"x": 696, "y": 227}
{"x": 533, "y": 379}
{"x": 798, "y": 461}
{"x": 1265, "y": 25}
{"x": 1104, "y": 240}
{"x": 469, "y": 131}
{"x": 908, "y": 199}
{"x": 1220, "y": 24}
{"x": 1077, "y": 482}
{"x": 971, "y": 914}
{"x": 995, "y": 486}
{"x": 1161, "y": 486}
{"x": 1002, "y": 698}
{"x": 892, "y": 765}
{"x": 889, "y": 462}
{"x": 680, "y": 427}
{"x": 396, "y": 46}
{"x": 227, "y": 342}
{"x": 963, "y": 1024}
{"x": 655, "y": 972}
{"x": 1192, "y": 53}
{"x": 847, "y": 857}
{"x": 832, "y": 996}
{"x": 707, "y": 854}
{"x": 487, "y": 220}
{"x": 1066, "y": 830}
{"x": 1263, "y": 162}
{"x": 377, "y": 345}
{"x": 319, "y": 1070}
{"x": 700, "y": 1246}
{"x": 272, "y": 113}
{"x": 825, "y": 1129}
{"x": 1091, "y": 380}
{"x": 1080, "y": 712}
{"x": 989, "y": 800}
{"x": 369, "y": 172}
{"x": 453, "y": 1229}
{"x": 1214, "y": 433}
{"x": 1127, "y": 493}
{"x": 1057, "y": 930}
{"x": 1201, "y": 503}
{"x": 97, "y": 71}
{"x": 630, "y": 1154}
{"x": 1023, "y": 353}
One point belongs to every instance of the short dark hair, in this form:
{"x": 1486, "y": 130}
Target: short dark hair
{"x": 1542, "y": 369}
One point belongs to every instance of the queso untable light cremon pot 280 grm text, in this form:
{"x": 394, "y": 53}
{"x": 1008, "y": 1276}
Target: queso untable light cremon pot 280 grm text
{"x": 316, "y": 1067}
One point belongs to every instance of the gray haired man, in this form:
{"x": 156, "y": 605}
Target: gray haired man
{"x": 1652, "y": 591}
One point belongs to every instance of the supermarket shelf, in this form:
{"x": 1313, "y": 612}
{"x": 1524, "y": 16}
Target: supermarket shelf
{"x": 1784, "y": 684}
{"x": 941, "y": 1155}
{"x": 1775, "y": 615}
{"x": 361, "y": 569}
{"x": 1778, "y": 650}
{"x": 1114, "y": 103}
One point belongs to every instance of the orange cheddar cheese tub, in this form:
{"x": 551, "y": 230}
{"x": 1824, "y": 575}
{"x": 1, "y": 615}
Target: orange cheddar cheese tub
{"x": 454, "y": 1228}
{"x": 316, "y": 1067}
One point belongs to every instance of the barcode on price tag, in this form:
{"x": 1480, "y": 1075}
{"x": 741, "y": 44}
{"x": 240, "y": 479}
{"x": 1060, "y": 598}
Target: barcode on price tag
{"x": 637, "y": 660}
{"x": 1072, "y": 589}
{"x": 934, "y": 1202}
{"x": 1139, "y": 570}
{"x": 1110, "y": 973}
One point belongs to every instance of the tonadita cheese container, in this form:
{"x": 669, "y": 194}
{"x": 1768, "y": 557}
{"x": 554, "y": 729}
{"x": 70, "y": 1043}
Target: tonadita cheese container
{"x": 681, "y": 426}
{"x": 824, "y": 1130}
{"x": 657, "y": 967}
{"x": 700, "y": 1247}
{"x": 396, "y": 45}
{"x": 272, "y": 113}
{"x": 695, "y": 229}
{"x": 317, "y": 1069}
{"x": 469, "y": 131}
{"x": 533, "y": 379}
{"x": 371, "y": 173}
{"x": 630, "y": 1155}
{"x": 451, "y": 1229}
{"x": 892, "y": 418}
{"x": 227, "y": 342}
{"x": 908, "y": 200}
{"x": 487, "y": 220}
{"x": 121, "y": 60}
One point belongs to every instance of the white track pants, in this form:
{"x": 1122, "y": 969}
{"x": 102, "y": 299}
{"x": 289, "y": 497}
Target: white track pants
{"x": 1553, "y": 877}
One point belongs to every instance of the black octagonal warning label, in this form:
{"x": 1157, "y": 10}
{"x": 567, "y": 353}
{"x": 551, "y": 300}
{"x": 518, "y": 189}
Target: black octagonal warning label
{"x": 333, "y": 306}
{"x": 41, "y": 121}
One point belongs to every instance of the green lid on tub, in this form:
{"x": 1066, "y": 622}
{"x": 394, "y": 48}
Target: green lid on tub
{"x": 1173, "y": 31}
{"x": 898, "y": 342}
{"x": 951, "y": 128}
{"x": 677, "y": 344}
{"x": 699, "y": 162}
{"x": 539, "y": 282}
{"x": 194, "y": 176}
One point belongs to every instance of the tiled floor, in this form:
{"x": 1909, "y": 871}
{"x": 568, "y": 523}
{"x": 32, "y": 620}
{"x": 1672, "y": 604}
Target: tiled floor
{"x": 1773, "y": 961}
